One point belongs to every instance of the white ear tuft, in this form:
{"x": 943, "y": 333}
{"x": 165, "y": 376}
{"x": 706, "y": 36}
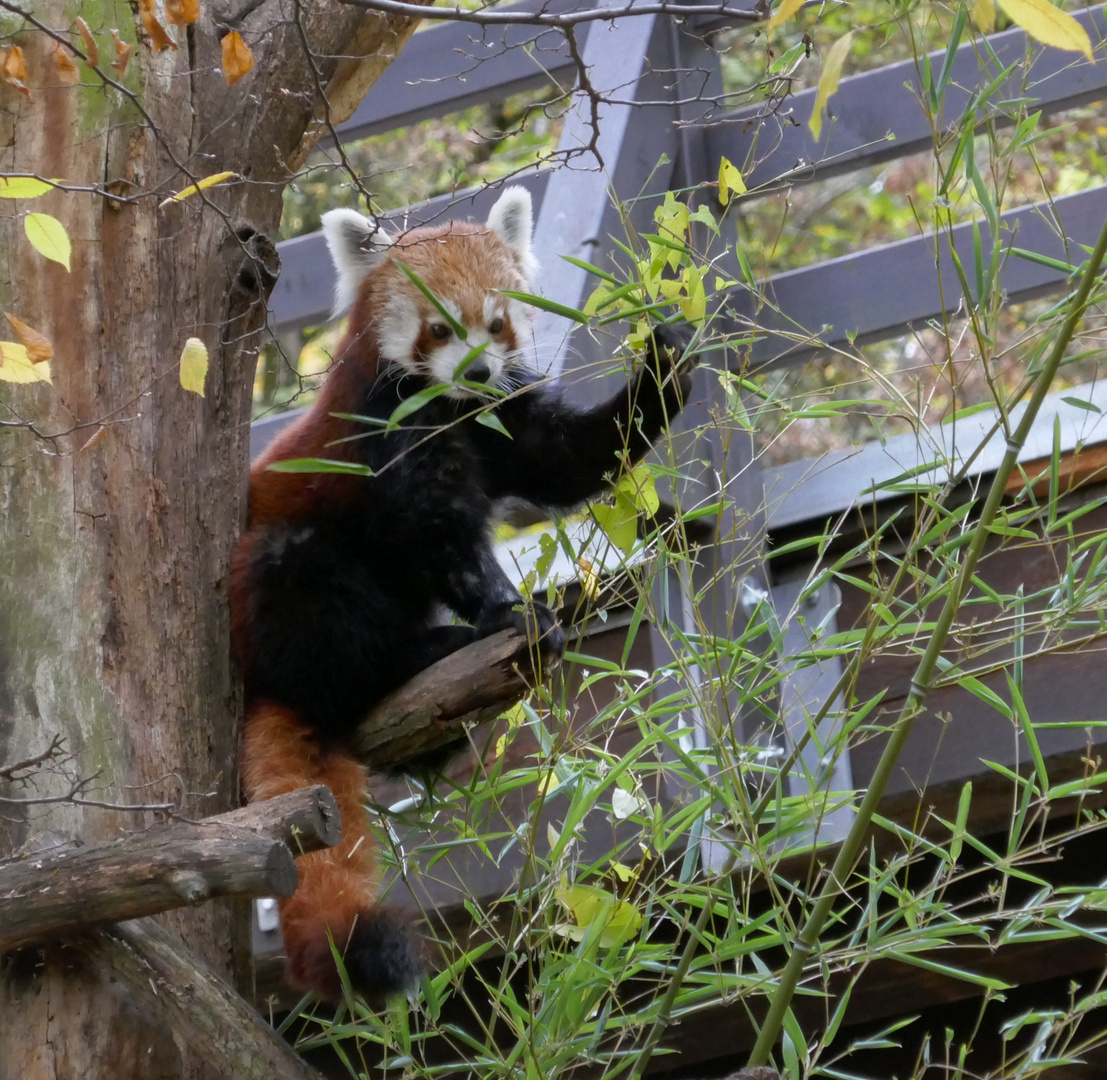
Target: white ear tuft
{"x": 512, "y": 220}
{"x": 357, "y": 244}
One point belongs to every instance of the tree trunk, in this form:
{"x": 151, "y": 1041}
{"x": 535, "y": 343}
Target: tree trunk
{"x": 122, "y": 494}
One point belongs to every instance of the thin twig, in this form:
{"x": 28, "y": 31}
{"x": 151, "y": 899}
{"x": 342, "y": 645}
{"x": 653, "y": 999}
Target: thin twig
{"x": 569, "y": 18}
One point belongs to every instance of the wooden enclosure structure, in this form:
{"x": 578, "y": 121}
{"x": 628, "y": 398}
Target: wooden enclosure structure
{"x": 667, "y": 106}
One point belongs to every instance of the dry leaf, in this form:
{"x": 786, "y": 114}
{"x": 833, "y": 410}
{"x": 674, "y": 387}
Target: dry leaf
{"x": 13, "y": 70}
{"x": 122, "y": 54}
{"x": 94, "y": 438}
{"x": 237, "y": 58}
{"x": 158, "y": 36}
{"x": 15, "y": 66}
{"x": 37, "y": 345}
{"x": 67, "y": 70}
{"x": 182, "y": 12}
{"x": 92, "y": 50}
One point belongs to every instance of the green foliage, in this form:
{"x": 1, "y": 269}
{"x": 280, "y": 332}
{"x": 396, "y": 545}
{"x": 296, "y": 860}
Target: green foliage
{"x": 665, "y": 823}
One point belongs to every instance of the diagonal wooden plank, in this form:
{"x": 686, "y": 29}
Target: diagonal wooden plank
{"x": 877, "y": 115}
{"x": 879, "y": 293}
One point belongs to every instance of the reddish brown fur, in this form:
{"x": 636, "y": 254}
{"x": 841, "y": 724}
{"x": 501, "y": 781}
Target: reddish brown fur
{"x": 280, "y": 754}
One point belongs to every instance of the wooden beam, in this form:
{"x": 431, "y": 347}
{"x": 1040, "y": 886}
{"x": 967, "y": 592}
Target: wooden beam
{"x": 243, "y": 853}
{"x": 876, "y": 115}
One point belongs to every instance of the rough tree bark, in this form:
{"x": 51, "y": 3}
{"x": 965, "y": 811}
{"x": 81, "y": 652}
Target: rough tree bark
{"x": 121, "y": 494}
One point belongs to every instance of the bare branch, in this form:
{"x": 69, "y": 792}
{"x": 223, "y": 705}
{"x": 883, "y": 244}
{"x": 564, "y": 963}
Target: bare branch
{"x": 561, "y": 21}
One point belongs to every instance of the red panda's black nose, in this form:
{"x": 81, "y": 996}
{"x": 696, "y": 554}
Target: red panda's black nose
{"x": 478, "y": 373}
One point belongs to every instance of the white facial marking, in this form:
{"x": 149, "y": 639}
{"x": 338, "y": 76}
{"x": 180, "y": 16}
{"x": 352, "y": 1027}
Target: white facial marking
{"x": 399, "y": 330}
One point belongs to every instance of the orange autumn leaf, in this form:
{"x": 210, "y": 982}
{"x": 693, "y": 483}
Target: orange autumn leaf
{"x": 67, "y": 70}
{"x": 182, "y": 12}
{"x": 94, "y": 438}
{"x": 122, "y": 54}
{"x": 92, "y": 50}
{"x": 158, "y": 36}
{"x": 13, "y": 70}
{"x": 237, "y": 58}
{"x": 37, "y": 345}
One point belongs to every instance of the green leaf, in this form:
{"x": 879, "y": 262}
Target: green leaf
{"x": 491, "y": 420}
{"x": 417, "y": 281}
{"x": 619, "y": 523}
{"x": 24, "y": 187}
{"x": 543, "y": 304}
{"x": 319, "y": 465}
{"x": 414, "y": 403}
{"x": 48, "y": 237}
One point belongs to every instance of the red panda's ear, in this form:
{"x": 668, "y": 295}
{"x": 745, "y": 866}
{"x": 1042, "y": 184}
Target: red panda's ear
{"x": 357, "y": 244}
{"x": 512, "y": 220}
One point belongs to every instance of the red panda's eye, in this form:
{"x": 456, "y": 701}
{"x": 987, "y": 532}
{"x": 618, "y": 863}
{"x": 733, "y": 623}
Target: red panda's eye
{"x": 440, "y": 330}
{"x": 495, "y": 326}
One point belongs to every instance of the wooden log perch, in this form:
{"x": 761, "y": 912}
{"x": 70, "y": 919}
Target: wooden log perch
{"x": 203, "y": 1012}
{"x": 243, "y": 853}
{"x": 442, "y": 703}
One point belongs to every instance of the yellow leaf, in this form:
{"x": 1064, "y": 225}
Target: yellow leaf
{"x": 639, "y": 488}
{"x": 620, "y": 525}
{"x": 596, "y": 909}
{"x": 984, "y": 15}
{"x": 208, "y": 181}
{"x": 23, "y": 187}
{"x": 237, "y": 58}
{"x": 694, "y": 307}
{"x": 589, "y": 580}
{"x": 194, "y": 365}
{"x": 16, "y": 365}
{"x": 159, "y": 38}
{"x": 182, "y": 12}
{"x": 730, "y": 179}
{"x": 623, "y": 872}
{"x": 548, "y": 784}
{"x": 828, "y": 81}
{"x": 122, "y": 53}
{"x": 785, "y": 10}
{"x": 37, "y": 345}
{"x": 1045, "y": 23}
{"x": 48, "y": 237}
{"x": 92, "y": 50}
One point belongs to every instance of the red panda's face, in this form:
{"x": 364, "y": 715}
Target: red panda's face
{"x": 465, "y": 267}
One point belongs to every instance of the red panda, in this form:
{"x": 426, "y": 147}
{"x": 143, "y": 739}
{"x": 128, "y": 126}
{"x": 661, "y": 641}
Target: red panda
{"x": 338, "y": 579}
